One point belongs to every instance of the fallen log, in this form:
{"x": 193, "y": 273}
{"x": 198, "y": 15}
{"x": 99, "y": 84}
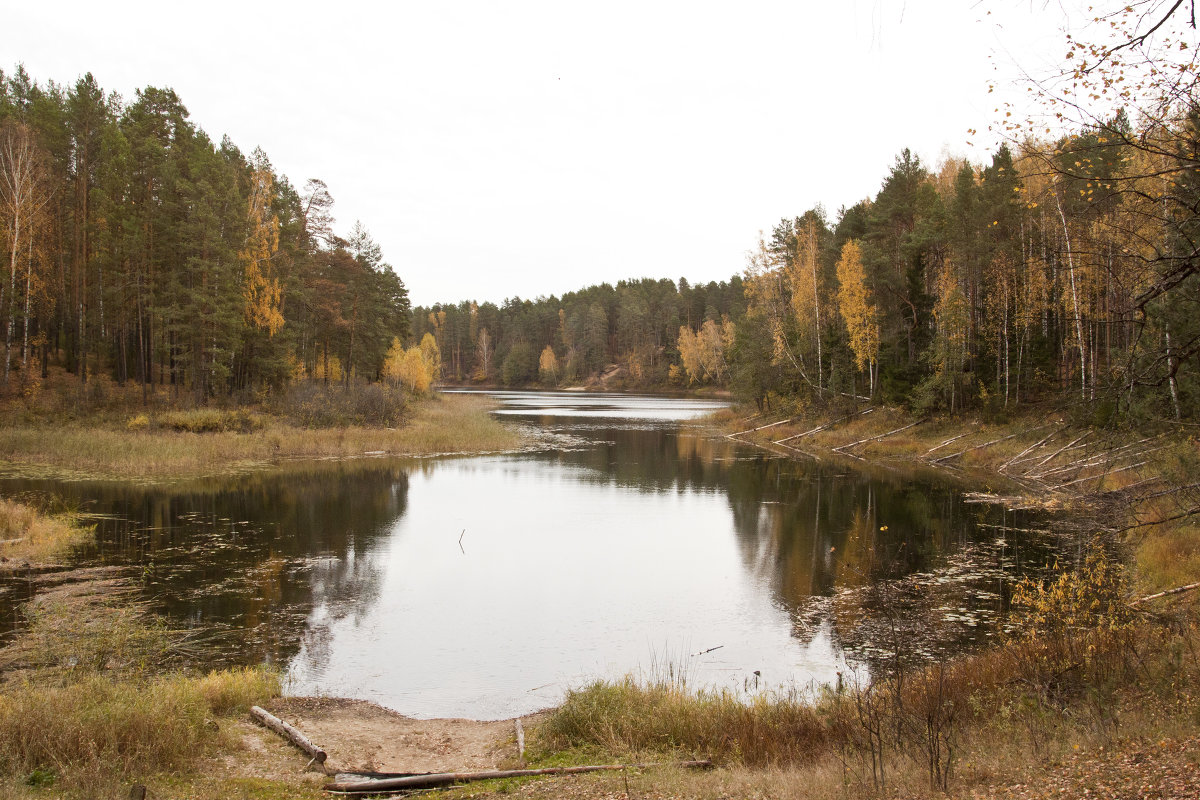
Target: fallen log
{"x": 1101, "y": 460}
{"x": 943, "y": 444}
{"x": 1069, "y": 446}
{"x": 1101, "y": 475}
{"x": 826, "y": 426}
{"x": 1178, "y": 590}
{"x": 987, "y": 444}
{"x": 1143, "y": 497}
{"x": 759, "y": 428}
{"x": 1021, "y": 454}
{"x": 436, "y": 779}
{"x": 1190, "y": 513}
{"x": 844, "y": 447}
{"x": 290, "y": 733}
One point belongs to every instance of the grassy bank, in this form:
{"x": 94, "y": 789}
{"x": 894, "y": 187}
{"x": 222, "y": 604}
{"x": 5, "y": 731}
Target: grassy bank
{"x": 173, "y": 444}
{"x": 30, "y": 537}
{"x": 1135, "y": 486}
{"x": 93, "y": 700}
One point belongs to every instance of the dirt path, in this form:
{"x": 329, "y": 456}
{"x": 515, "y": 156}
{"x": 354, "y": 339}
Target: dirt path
{"x": 360, "y": 736}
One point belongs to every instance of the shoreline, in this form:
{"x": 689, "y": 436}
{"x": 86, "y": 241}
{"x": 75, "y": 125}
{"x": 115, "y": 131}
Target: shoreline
{"x": 364, "y": 736}
{"x": 104, "y": 451}
{"x": 1075, "y": 465}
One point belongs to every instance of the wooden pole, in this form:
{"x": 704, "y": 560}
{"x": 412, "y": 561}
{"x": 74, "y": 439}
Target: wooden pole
{"x": 447, "y": 778}
{"x": 290, "y": 733}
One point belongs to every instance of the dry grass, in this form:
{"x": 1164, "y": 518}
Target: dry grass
{"x": 628, "y": 719}
{"x": 27, "y": 536}
{"x": 1083, "y": 671}
{"x": 100, "y": 730}
{"x": 92, "y": 703}
{"x": 1169, "y": 556}
{"x": 442, "y": 424}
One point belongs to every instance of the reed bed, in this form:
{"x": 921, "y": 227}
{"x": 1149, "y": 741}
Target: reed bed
{"x": 442, "y": 424}
{"x": 29, "y": 536}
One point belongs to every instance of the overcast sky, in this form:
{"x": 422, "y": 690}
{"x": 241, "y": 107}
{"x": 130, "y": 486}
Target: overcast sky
{"x": 499, "y": 149}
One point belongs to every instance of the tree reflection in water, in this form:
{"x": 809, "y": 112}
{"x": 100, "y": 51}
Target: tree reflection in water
{"x": 640, "y": 539}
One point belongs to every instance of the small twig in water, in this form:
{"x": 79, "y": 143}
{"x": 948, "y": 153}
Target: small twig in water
{"x": 709, "y": 650}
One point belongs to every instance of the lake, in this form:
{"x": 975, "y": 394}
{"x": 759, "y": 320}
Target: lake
{"x": 627, "y": 540}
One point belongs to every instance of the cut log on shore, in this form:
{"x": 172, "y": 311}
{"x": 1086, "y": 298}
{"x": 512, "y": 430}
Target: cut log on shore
{"x": 436, "y": 779}
{"x": 290, "y": 733}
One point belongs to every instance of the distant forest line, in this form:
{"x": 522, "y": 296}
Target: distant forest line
{"x": 1064, "y": 269}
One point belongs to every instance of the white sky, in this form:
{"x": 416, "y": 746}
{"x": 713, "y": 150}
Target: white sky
{"x": 513, "y": 148}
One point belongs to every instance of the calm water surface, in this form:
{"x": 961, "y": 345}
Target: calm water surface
{"x": 628, "y": 541}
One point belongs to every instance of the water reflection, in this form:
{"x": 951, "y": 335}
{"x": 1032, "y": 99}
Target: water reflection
{"x": 246, "y": 558}
{"x": 482, "y": 587}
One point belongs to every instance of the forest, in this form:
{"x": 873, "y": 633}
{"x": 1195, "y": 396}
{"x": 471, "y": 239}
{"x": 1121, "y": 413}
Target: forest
{"x": 136, "y": 247}
{"x": 1065, "y": 270}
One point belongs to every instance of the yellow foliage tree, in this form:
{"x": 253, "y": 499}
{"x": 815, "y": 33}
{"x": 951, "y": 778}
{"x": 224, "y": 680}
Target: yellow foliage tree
{"x": 703, "y": 353}
{"x": 804, "y": 283}
{"x": 856, "y": 302}
{"x": 415, "y": 368}
{"x": 261, "y": 289}
{"x": 431, "y": 355}
{"x": 548, "y": 366}
{"x": 393, "y": 361}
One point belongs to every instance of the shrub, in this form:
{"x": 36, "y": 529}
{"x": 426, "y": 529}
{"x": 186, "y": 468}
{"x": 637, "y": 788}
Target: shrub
{"x": 312, "y": 405}
{"x": 1076, "y": 634}
{"x": 210, "y": 420}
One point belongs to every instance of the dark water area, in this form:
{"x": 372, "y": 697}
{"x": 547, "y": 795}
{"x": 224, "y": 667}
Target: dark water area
{"x": 632, "y": 540}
